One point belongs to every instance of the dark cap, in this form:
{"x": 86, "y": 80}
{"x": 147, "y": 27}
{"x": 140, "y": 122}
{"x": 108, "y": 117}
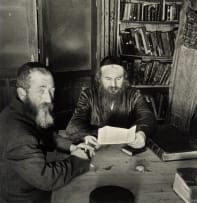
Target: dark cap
{"x": 111, "y": 194}
{"x": 110, "y": 60}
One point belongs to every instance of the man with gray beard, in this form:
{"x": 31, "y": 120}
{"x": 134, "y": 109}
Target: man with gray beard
{"x": 26, "y": 139}
{"x": 111, "y": 101}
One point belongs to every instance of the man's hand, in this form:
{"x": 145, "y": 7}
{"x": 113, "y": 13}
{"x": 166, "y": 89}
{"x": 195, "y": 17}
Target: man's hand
{"x": 139, "y": 141}
{"x": 91, "y": 141}
{"x": 88, "y": 149}
{"x": 81, "y": 154}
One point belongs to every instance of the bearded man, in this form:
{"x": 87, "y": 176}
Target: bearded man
{"x": 111, "y": 101}
{"x": 26, "y": 139}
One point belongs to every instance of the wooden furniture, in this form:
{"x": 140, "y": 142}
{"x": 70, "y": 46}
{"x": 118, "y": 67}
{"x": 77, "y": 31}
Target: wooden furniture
{"x": 146, "y": 37}
{"x": 113, "y": 167}
{"x": 68, "y": 34}
{"x": 184, "y": 81}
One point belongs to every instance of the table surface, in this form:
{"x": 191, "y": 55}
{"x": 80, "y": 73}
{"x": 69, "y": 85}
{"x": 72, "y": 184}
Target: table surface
{"x": 113, "y": 167}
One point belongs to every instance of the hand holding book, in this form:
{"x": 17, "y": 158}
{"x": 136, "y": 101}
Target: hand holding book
{"x": 139, "y": 140}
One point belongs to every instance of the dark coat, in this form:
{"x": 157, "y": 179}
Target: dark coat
{"x": 88, "y": 115}
{"x": 26, "y": 176}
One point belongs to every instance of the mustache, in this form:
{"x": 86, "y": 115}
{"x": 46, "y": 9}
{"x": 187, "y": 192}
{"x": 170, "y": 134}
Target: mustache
{"x": 114, "y": 88}
{"x": 47, "y": 106}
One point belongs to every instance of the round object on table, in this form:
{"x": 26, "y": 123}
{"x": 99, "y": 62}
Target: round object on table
{"x": 140, "y": 168}
{"x": 111, "y": 194}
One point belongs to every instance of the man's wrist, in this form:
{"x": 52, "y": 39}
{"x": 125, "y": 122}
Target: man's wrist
{"x": 141, "y": 133}
{"x": 73, "y": 147}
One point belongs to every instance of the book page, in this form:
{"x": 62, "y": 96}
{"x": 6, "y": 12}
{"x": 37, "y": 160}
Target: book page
{"x": 115, "y": 135}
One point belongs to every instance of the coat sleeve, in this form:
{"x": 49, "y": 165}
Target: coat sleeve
{"x": 62, "y": 143}
{"x": 79, "y": 125}
{"x": 145, "y": 119}
{"x": 29, "y": 161}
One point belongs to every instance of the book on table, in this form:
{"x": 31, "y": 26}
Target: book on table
{"x": 185, "y": 184}
{"x": 169, "y": 144}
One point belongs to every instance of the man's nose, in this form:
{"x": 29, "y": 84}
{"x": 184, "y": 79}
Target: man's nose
{"x": 113, "y": 83}
{"x": 48, "y": 98}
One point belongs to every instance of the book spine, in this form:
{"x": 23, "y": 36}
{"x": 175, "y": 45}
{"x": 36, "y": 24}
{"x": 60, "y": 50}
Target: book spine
{"x": 155, "y": 148}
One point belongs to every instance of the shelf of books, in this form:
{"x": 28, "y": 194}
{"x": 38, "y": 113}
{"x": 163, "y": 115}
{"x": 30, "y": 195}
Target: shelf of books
{"x": 150, "y": 10}
{"x": 146, "y": 37}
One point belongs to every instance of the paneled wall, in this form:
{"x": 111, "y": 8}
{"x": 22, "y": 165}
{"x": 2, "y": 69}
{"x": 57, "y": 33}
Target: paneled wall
{"x": 108, "y": 27}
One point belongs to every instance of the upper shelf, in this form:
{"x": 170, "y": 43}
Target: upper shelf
{"x": 151, "y": 22}
{"x": 148, "y": 58}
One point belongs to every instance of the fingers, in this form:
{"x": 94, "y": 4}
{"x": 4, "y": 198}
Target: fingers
{"x": 85, "y": 147}
{"x": 89, "y": 150}
{"x": 90, "y": 153}
{"x": 139, "y": 141}
{"x": 137, "y": 145}
{"x": 91, "y": 140}
{"x": 88, "y": 147}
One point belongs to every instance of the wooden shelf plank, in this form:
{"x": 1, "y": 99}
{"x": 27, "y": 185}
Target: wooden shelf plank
{"x": 151, "y": 86}
{"x": 150, "y": 22}
{"x": 148, "y": 58}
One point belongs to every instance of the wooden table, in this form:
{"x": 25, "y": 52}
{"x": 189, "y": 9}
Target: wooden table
{"x": 113, "y": 167}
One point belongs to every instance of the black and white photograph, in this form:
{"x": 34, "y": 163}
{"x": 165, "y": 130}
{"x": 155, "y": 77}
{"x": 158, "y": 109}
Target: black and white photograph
{"x": 98, "y": 101}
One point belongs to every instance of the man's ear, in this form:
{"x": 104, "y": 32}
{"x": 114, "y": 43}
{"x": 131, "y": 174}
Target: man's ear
{"x": 21, "y": 93}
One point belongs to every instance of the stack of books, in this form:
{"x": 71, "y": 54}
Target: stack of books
{"x": 185, "y": 184}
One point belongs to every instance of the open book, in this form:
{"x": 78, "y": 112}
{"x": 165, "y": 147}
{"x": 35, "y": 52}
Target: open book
{"x": 115, "y": 135}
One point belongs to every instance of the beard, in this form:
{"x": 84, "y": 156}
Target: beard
{"x": 110, "y": 100}
{"x": 110, "y": 94}
{"x": 41, "y": 113}
{"x": 44, "y": 117}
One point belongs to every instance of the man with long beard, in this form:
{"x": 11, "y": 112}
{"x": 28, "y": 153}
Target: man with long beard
{"x": 26, "y": 137}
{"x": 110, "y": 102}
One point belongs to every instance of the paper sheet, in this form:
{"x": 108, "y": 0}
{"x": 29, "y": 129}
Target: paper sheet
{"x": 115, "y": 135}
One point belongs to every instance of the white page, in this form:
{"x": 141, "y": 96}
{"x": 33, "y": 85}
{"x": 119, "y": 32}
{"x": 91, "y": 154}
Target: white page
{"x": 115, "y": 135}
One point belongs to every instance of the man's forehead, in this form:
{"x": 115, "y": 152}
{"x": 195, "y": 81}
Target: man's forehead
{"x": 112, "y": 69}
{"x": 39, "y": 79}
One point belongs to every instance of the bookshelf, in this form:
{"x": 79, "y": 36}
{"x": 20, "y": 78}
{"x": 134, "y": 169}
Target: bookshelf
{"x": 146, "y": 37}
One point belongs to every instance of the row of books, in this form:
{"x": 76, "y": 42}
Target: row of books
{"x": 149, "y": 11}
{"x": 158, "y": 103}
{"x": 140, "y": 41}
{"x": 151, "y": 73}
